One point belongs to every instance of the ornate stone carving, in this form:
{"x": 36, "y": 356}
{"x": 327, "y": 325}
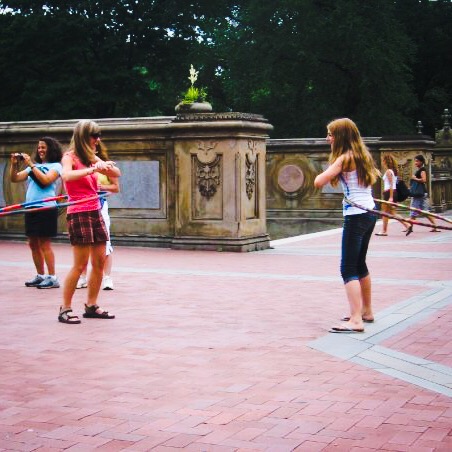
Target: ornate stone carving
{"x": 250, "y": 176}
{"x": 232, "y": 116}
{"x": 208, "y": 176}
{"x": 250, "y": 163}
{"x": 206, "y": 153}
{"x": 443, "y": 137}
{"x": 253, "y": 146}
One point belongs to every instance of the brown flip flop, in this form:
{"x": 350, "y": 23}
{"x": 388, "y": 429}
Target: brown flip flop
{"x": 347, "y": 318}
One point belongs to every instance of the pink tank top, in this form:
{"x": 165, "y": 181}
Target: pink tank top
{"x": 84, "y": 187}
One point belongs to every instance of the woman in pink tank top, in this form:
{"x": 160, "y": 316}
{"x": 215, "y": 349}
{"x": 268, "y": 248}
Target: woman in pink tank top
{"x": 86, "y": 228}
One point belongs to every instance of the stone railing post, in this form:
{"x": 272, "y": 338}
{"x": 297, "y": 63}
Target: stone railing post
{"x": 220, "y": 181}
{"x": 442, "y": 166}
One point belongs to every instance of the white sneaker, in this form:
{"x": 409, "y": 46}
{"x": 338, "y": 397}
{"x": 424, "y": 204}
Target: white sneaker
{"x": 107, "y": 283}
{"x": 82, "y": 283}
{"x": 50, "y": 282}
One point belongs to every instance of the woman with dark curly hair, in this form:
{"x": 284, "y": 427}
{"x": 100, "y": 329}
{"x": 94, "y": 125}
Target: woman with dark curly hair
{"x": 420, "y": 202}
{"x": 42, "y": 171}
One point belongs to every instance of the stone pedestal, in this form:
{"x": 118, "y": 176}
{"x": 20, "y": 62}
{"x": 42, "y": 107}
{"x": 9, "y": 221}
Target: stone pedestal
{"x": 220, "y": 181}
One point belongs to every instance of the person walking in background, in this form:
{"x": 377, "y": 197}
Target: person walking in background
{"x": 352, "y": 165}
{"x": 390, "y": 178}
{"x": 87, "y": 231}
{"x": 420, "y": 202}
{"x": 110, "y": 184}
{"x": 41, "y": 172}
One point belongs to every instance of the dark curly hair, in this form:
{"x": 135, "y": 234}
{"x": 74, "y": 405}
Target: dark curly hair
{"x": 54, "y": 150}
{"x": 421, "y": 158}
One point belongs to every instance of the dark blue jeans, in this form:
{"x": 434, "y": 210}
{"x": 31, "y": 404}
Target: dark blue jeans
{"x": 355, "y": 241}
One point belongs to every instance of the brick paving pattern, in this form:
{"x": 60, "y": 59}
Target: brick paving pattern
{"x": 214, "y": 352}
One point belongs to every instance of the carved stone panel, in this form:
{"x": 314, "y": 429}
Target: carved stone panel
{"x": 250, "y": 177}
{"x": 208, "y": 177}
{"x": 207, "y": 193}
{"x": 2, "y": 179}
{"x": 251, "y": 188}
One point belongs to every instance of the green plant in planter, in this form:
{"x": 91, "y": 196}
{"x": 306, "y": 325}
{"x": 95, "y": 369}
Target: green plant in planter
{"x": 194, "y": 94}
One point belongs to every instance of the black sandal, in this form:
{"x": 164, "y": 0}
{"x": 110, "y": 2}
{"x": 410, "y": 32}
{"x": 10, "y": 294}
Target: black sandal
{"x": 66, "y": 317}
{"x": 91, "y": 313}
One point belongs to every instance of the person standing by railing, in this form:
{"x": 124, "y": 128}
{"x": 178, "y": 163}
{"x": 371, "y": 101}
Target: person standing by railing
{"x": 421, "y": 201}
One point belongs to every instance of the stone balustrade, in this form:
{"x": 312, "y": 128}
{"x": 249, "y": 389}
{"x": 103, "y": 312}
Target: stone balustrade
{"x": 194, "y": 181}
{"x": 215, "y": 180}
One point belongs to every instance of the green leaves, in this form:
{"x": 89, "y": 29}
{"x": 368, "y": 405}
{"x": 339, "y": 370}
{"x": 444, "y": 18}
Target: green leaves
{"x": 300, "y": 63}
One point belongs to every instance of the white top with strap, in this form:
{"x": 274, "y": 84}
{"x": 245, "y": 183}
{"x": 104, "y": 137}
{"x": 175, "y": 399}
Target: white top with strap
{"x": 356, "y": 193}
{"x": 387, "y": 184}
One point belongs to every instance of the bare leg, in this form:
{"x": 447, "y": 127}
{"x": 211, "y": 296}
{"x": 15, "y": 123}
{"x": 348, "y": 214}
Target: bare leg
{"x": 49, "y": 256}
{"x": 81, "y": 256}
{"x": 432, "y": 220}
{"x": 409, "y": 226}
{"x": 366, "y": 296}
{"x": 385, "y": 220}
{"x": 37, "y": 254}
{"x": 108, "y": 265}
{"x": 353, "y": 291}
{"x": 405, "y": 224}
{"x": 97, "y": 272}
{"x": 392, "y": 211}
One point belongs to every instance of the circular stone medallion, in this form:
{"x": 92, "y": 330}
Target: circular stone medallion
{"x": 290, "y": 178}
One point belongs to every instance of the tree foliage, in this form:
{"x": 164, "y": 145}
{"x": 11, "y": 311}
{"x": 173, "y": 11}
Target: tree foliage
{"x": 300, "y": 63}
{"x": 428, "y": 23}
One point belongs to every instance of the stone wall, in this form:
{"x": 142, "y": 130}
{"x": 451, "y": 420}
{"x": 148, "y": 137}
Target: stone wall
{"x": 295, "y": 207}
{"x": 442, "y": 166}
{"x": 193, "y": 181}
{"x": 215, "y": 181}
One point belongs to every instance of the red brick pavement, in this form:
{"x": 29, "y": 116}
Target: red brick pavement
{"x": 210, "y": 352}
{"x": 428, "y": 339}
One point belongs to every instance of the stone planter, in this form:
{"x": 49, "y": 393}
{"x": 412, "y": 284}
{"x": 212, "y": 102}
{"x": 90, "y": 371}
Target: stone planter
{"x": 194, "y": 107}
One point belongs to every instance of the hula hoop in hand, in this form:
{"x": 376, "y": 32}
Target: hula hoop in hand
{"x": 398, "y": 217}
{"x": 30, "y": 203}
{"x": 16, "y": 208}
{"x": 414, "y": 209}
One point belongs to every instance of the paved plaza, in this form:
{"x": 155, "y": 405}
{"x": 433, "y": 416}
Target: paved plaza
{"x": 220, "y": 352}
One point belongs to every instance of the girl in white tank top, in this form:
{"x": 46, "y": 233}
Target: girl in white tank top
{"x": 352, "y": 165}
{"x": 389, "y": 191}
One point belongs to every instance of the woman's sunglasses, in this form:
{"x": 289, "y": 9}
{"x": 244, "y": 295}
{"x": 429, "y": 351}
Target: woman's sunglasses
{"x": 96, "y": 135}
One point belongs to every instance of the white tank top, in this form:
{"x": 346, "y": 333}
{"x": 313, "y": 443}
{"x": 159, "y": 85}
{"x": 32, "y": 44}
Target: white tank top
{"x": 387, "y": 184}
{"x": 356, "y": 193}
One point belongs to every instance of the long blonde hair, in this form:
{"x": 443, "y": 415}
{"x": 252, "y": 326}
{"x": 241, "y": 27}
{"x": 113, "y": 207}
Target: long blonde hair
{"x": 347, "y": 141}
{"x": 390, "y": 163}
{"x": 101, "y": 151}
{"x": 80, "y": 142}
